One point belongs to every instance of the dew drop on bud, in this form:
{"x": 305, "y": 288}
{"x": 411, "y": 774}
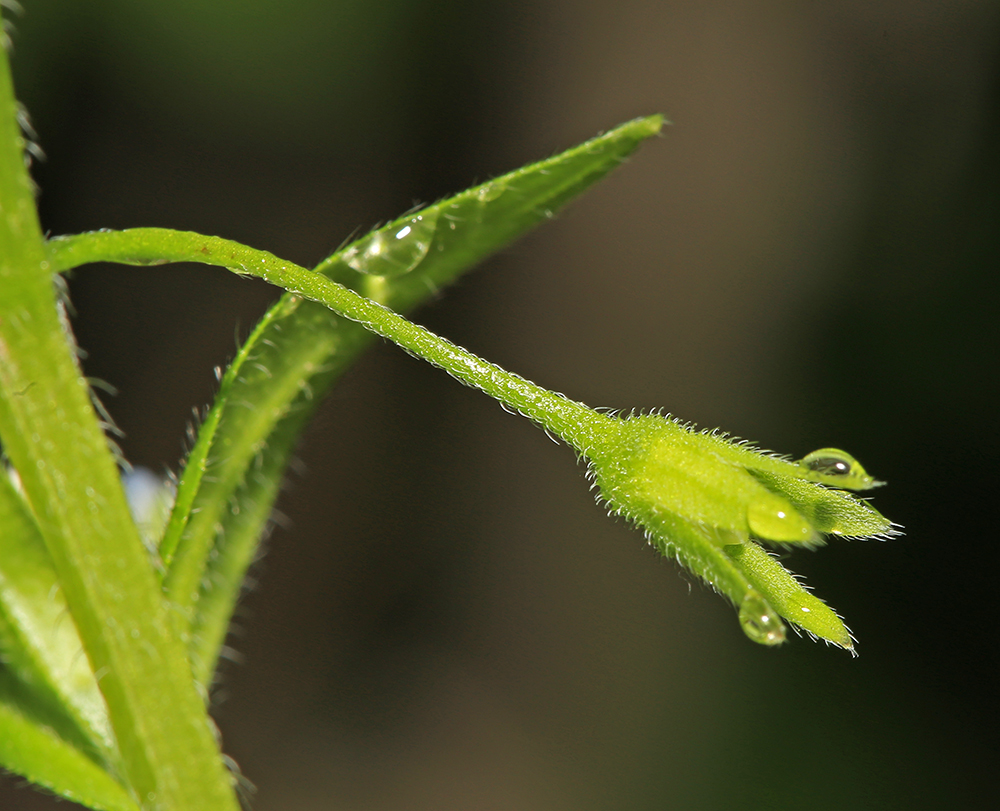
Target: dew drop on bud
{"x": 773, "y": 518}
{"x": 838, "y": 468}
{"x": 394, "y": 251}
{"x": 759, "y": 621}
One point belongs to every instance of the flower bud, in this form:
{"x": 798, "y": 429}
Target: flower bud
{"x": 706, "y": 500}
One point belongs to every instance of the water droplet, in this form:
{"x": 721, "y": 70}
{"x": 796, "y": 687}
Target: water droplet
{"x": 394, "y": 250}
{"x": 759, "y": 621}
{"x": 489, "y": 192}
{"x": 838, "y": 468}
{"x": 772, "y": 518}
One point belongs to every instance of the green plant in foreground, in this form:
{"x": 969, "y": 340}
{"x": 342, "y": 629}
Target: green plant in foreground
{"x": 125, "y": 725}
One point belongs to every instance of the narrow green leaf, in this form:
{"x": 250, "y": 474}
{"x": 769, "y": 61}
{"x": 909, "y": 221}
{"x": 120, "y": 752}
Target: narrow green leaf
{"x": 38, "y": 638}
{"x": 31, "y": 748}
{"x": 456, "y": 233}
{"x": 238, "y": 540}
{"x": 300, "y": 348}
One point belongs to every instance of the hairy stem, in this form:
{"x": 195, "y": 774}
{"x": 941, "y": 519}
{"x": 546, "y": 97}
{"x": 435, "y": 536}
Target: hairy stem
{"x": 574, "y": 422}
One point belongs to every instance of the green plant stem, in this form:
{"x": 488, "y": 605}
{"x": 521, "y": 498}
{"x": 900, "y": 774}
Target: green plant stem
{"x": 52, "y": 437}
{"x": 574, "y": 422}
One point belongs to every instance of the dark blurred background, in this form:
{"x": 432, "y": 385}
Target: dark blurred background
{"x": 808, "y": 258}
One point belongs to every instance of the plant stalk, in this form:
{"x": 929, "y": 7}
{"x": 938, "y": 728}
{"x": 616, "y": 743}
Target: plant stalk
{"x": 167, "y": 753}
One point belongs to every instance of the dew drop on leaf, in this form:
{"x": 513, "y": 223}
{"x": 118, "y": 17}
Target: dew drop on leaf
{"x": 489, "y": 192}
{"x": 396, "y": 250}
{"x": 759, "y": 621}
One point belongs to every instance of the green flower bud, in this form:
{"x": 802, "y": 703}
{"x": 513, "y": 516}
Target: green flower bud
{"x": 707, "y": 500}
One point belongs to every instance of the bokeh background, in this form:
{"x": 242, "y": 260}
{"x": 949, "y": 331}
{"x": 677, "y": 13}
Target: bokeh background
{"x": 807, "y": 258}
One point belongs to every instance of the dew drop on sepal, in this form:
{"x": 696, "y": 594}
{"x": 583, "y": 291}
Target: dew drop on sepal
{"x": 394, "y": 251}
{"x": 759, "y": 621}
{"x": 838, "y": 468}
{"x": 773, "y": 518}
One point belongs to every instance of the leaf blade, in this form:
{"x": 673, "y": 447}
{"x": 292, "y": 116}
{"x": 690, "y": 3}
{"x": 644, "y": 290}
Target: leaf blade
{"x": 29, "y": 747}
{"x": 38, "y": 638}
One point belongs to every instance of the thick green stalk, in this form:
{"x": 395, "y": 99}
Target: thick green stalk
{"x": 52, "y": 437}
